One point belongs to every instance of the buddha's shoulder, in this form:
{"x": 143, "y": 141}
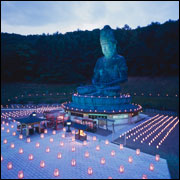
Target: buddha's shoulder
{"x": 119, "y": 57}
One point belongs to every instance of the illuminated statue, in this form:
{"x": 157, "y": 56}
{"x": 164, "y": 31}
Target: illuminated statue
{"x": 110, "y": 70}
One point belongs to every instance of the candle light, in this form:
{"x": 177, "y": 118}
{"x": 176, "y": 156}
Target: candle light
{"x": 144, "y": 176}
{"x": 37, "y": 144}
{"x": 42, "y": 164}
{"x": 157, "y": 157}
{"x": 113, "y": 153}
{"x": 138, "y": 151}
{"x": 61, "y": 144}
{"x": 45, "y": 131}
{"x": 90, "y": 171}
{"x": 121, "y": 146}
{"x": 73, "y": 162}
{"x": 130, "y": 159}
{"x": 85, "y": 143}
{"x": 5, "y": 141}
{"x": 73, "y": 149}
{"x": 106, "y": 142}
{"x": 21, "y": 150}
{"x": 151, "y": 167}
{"x": 12, "y": 145}
{"x": 2, "y": 128}
{"x": 63, "y": 136}
{"x": 59, "y": 156}
{"x": 97, "y": 148}
{"x": 94, "y": 138}
{"x": 31, "y": 157}
{"x": 9, "y": 165}
{"x": 7, "y": 130}
{"x": 14, "y": 133}
{"x": 42, "y": 136}
{"x": 51, "y": 140}
{"x": 12, "y": 126}
{"x": 121, "y": 169}
{"x": 20, "y": 136}
{"x": 47, "y": 149}
{"x": 56, "y": 172}
{"x": 86, "y": 154}
{"x": 28, "y": 140}
{"x": 103, "y": 161}
{"x": 54, "y": 132}
{"x": 20, "y": 175}
{"x": 64, "y": 129}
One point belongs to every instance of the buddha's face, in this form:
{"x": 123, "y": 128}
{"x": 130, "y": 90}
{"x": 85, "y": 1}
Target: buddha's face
{"x": 108, "y": 48}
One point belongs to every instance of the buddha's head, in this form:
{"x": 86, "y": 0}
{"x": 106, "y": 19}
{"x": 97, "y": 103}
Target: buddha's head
{"x": 108, "y": 42}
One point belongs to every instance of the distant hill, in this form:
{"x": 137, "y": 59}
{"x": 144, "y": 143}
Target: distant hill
{"x": 150, "y": 51}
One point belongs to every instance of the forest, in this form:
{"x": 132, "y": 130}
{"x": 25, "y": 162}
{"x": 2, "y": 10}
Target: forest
{"x": 151, "y": 51}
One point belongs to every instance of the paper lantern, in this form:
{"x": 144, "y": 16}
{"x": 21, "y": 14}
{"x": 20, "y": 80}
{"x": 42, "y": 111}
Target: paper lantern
{"x": 97, "y": 148}
{"x": 28, "y": 140}
{"x": 144, "y": 176}
{"x": 157, "y": 157}
{"x": 14, "y": 133}
{"x": 73, "y": 149}
{"x": 137, "y": 151}
{"x": 121, "y": 169}
{"x": 45, "y": 131}
{"x": 103, "y": 161}
{"x": 20, "y": 136}
{"x": 42, "y": 136}
{"x": 12, "y": 126}
{"x": 54, "y": 132}
{"x": 94, "y": 138}
{"x": 63, "y": 136}
{"x": 85, "y": 143}
{"x": 7, "y": 130}
{"x": 9, "y": 165}
{"x": 21, "y": 151}
{"x": 12, "y": 145}
{"x": 51, "y": 140}
{"x": 2, "y": 128}
{"x": 73, "y": 162}
{"x": 5, "y": 141}
{"x": 31, "y": 157}
{"x": 151, "y": 167}
{"x": 130, "y": 159}
{"x": 61, "y": 144}
{"x": 42, "y": 164}
{"x": 59, "y": 156}
{"x": 106, "y": 142}
{"x": 37, "y": 144}
{"x": 47, "y": 149}
{"x": 86, "y": 154}
{"x": 113, "y": 153}
{"x": 121, "y": 146}
{"x": 20, "y": 175}
{"x": 90, "y": 171}
{"x": 56, "y": 172}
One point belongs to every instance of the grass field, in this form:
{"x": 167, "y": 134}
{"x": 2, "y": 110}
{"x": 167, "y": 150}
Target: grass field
{"x": 157, "y": 93}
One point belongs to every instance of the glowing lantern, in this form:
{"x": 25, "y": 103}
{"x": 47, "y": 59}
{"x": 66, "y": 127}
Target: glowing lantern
{"x": 90, "y": 171}
{"x": 59, "y": 156}
{"x": 73, "y": 149}
{"x": 20, "y": 136}
{"x": 103, "y": 161}
{"x": 121, "y": 169}
{"x": 151, "y": 167}
{"x": 5, "y": 141}
{"x": 130, "y": 159}
{"x": 21, "y": 150}
{"x": 42, "y": 164}
{"x": 37, "y": 144}
{"x": 31, "y": 157}
{"x": 144, "y": 176}
{"x": 106, "y": 142}
{"x": 8, "y": 131}
{"x": 138, "y": 151}
{"x": 121, "y": 146}
{"x": 85, "y": 143}
{"x": 97, "y": 148}
{"x": 61, "y": 144}
{"x": 7, "y": 124}
{"x": 14, "y": 133}
{"x": 64, "y": 129}
{"x": 47, "y": 149}
{"x": 73, "y": 162}
{"x": 157, "y": 157}
{"x": 2, "y": 128}
{"x": 45, "y": 131}
{"x": 94, "y": 138}
{"x": 63, "y": 136}
{"x": 51, "y": 140}
{"x": 1, "y": 158}
{"x": 20, "y": 175}
{"x": 86, "y": 154}
{"x": 12, "y": 126}
{"x": 54, "y": 132}
{"x": 42, "y": 136}
{"x": 3, "y": 122}
{"x": 9, "y": 165}
{"x": 12, "y": 145}
{"x": 28, "y": 140}
{"x": 56, "y": 172}
{"x": 113, "y": 153}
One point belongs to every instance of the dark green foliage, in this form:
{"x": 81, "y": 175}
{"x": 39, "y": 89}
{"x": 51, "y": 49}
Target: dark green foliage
{"x": 70, "y": 58}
